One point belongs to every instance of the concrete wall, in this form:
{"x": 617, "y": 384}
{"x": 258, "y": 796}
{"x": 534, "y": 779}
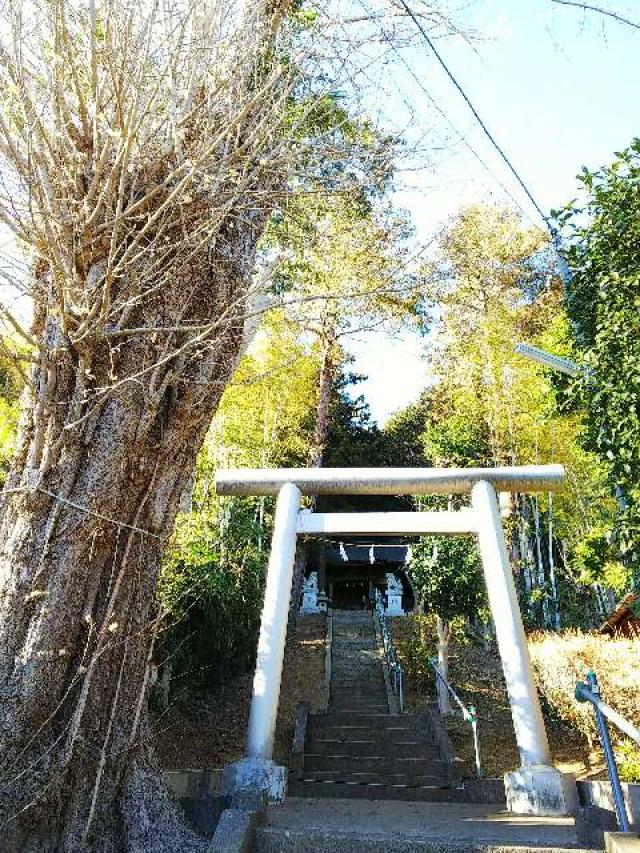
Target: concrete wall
{"x": 197, "y": 792}
{"x": 599, "y": 794}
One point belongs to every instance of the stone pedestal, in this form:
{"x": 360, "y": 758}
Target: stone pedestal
{"x": 253, "y": 776}
{"x": 310, "y": 599}
{"x": 541, "y": 790}
{"x": 394, "y": 596}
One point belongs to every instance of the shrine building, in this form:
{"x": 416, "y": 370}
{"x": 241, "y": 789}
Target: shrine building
{"x": 345, "y": 576}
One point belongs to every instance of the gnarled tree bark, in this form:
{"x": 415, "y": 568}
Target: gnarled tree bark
{"x": 145, "y": 194}
{"x": 81, "y": 552}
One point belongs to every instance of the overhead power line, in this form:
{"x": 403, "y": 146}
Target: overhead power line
{"x": 461, "y": 137}
{"x": 476, "y": 115}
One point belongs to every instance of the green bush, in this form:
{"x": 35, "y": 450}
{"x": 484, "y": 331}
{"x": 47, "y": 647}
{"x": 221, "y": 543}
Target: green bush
{"x": 213, "y": 614}
{"x": 211, "y": 591}
{"x": 628, "y": 758}
{"x": 414, "y": 655}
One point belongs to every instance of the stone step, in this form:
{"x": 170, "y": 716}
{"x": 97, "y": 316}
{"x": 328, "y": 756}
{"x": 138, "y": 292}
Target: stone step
{"x": 362, "y": 659}
{"x": 356, "y": 651}
{"x": 358, "y": 707}
{"x": 269, "y": 840}
{"x": 357, "y": 673}
{"x": 359, "y": 691}
{"x": 347, "y": 666}
{"x": 374, "y": 694}
{"x": 356, "y": 655}
{"x": 390, "y": 733}
{"x": 387, "y": 738}
{"x": 353, "y": 825}
{"x": 364, "y": 667}
{"x": 365, "y": 748}
{"x": 376, "y": 763}
{"x": 356, "y": 776}
{"x": 347, "y": 674}
{"x": 358, "y": 688}
{"x": 340, "y": 612}
{"x": 361, "y": 670}
{"x": 355, "y": 660}
{"x": 406, "y": 722}
{"x": 370, "y": 669}
{"x": 358, "y": 791}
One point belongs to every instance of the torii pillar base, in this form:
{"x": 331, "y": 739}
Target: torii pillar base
{"x": 259, "y": 777}
{"x": 541, "y": 790}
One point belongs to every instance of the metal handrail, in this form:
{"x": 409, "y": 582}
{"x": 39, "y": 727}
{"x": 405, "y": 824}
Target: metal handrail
{"x": 390, "y": 652}
{"x": 590, "y": 692}
{"x": 469, "y": 715}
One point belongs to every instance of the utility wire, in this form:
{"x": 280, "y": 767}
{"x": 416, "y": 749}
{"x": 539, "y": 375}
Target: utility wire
{"x": 461, "y": 137}
{"x": 588, "y": 7}
{"x": 476, "y": 115}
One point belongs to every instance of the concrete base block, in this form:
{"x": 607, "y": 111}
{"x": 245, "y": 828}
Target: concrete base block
{"x": 235, "y": 833}
{"x": 592, "y": 823}
{"x": 252, "y": 775}
{"x": 541, "y": 790}
{"x": 622, "y": 842}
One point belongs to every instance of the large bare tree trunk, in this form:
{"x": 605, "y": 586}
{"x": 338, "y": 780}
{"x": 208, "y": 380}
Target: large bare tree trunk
{"x": 82, "y": 542}
{"x": 141, "y": 189}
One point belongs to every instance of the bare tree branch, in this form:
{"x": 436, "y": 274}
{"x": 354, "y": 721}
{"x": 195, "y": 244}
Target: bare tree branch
{"x": 588, "y": 7}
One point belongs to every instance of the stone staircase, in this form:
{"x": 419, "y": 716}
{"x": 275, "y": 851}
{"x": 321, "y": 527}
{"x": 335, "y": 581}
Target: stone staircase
{"x": 365, "y": 780}
{"x": 358, "y": 749}
{"x": 357, "y": 681}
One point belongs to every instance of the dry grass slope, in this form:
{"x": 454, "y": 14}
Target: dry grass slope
{"x": 208, "y": 731}
{"x": 560, "y": 660}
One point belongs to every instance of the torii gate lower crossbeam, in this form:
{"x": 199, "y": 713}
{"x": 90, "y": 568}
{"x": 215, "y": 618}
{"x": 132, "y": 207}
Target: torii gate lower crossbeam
{"x": 536, "y": 787}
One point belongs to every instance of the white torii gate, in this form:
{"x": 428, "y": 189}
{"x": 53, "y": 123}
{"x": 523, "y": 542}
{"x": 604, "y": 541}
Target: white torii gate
{"x": 536, "y": 787}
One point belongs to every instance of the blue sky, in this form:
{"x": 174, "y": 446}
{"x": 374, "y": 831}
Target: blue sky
{"x": 556, "y": 86}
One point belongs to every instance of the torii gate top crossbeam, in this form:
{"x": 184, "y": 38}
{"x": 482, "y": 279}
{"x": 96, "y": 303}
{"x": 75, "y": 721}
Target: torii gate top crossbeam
{"x": 388, "y": 481}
